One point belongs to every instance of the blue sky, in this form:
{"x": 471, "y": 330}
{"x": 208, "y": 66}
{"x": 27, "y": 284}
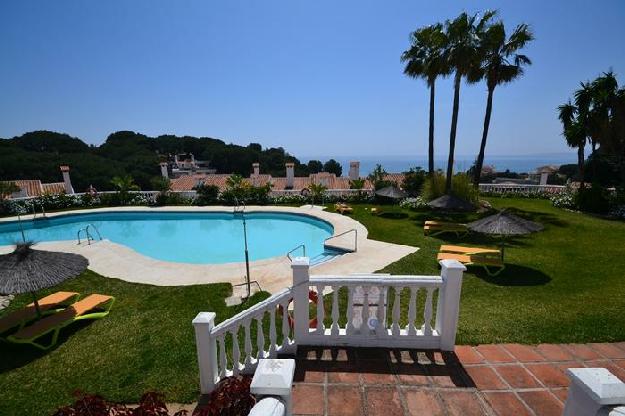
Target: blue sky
{"x": 318, "y": 77}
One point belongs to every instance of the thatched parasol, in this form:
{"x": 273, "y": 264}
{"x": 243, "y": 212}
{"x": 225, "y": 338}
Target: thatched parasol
{"x": 27, "y": 270}
{"x": 391, "y": 192}
{"x": 504, "y": 224}
{"x": 451, "y": 203}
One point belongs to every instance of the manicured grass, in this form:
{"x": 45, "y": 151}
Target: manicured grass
{"x": 564, "y": 284}
{"x": 146, "y": 343}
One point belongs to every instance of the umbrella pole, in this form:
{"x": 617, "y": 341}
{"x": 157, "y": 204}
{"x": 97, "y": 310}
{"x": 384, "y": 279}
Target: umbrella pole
{"x": 36, "y": 302}
{"x": 503, "y": 247}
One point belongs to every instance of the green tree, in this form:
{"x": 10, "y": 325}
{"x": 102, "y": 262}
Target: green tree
{"x": 315, "y": 166}
{"x": 463, "y": 54}
{"x": 413, "y": 181}
{"x": 426, "y": 59}
{"x": 501, "y": 63}
{"x": 332, "y": 166}
{"x": 317, "y": 191}
{"x": 124, "y": 185}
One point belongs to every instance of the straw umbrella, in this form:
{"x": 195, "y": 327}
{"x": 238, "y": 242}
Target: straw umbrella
{"x": 504, "y": 224}
{"x": 451, "y": 203}
{"x": 26, "y": 270}
{"x": 391, "y": 192}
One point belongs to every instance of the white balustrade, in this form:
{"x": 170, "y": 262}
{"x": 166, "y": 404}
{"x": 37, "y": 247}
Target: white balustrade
{"x": 219, "y": 347}
{"x": 373, "y": 318}
{"x": 502, "y": 188}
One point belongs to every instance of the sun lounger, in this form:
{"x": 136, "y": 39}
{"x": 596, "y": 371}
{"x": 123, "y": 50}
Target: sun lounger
{"x": 433, "y": 228}
{"x": 92, "y": 307}
{"x": 47, "y": 304}
{"x": 490, "y": 252}
{"x": 343, "y": 208}
{"x": 492, "y": 265}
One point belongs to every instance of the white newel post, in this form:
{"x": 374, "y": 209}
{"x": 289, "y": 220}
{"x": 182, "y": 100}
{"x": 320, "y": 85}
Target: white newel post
{"x": 593, "y": 391}
{"x": 206, "y": 346}
{"x": 301, "y": 277}
{"x": 448, "y": 306}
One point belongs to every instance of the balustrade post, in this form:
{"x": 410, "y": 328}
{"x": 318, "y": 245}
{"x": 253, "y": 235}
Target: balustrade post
{"x": 206, "y": 346}
{"x": 448, "y": 306}
{"x": 301, "y": 278}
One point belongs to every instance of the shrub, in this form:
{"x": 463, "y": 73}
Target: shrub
{"x": 231, "y": 397}
{"x": 461, "y": 186}
{"x": 566, "y": 199}
{"x": 593, "y": 199}
{"x": 414, "y": 203}
{"x": 207, "y": 194}
{"x": 413, "y": 181}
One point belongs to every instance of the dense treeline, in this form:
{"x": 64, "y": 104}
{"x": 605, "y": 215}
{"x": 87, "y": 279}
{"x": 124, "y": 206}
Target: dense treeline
{"x": 38, "y": 155}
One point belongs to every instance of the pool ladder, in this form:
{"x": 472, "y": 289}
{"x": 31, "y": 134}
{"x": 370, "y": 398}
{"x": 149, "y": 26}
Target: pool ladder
{"x": 302, "y": 246}
{"x": 87, "y": 234}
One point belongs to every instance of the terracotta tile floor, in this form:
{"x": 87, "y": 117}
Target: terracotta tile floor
{"x": 508, "y": 379}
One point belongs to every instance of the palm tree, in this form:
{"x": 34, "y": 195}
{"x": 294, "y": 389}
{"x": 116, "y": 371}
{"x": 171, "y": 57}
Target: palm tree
{"x": 463, "y": 56}
{"x": 124, "y": 184}
{"x": 426, "y": 59}
{"x": 501, "y": 64}
{"x": 574, "y": 133}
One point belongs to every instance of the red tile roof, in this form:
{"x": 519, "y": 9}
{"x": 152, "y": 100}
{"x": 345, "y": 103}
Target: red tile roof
{"x": 53, "y": 188}
{"x": 188, "y": 182}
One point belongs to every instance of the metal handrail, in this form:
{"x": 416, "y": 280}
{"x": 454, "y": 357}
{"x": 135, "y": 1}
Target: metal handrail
{"x": 87, "y": 235}
{"x": 96, "y": 230}
{"x": 302, "y": 246}
{"x": 355, "y": 231}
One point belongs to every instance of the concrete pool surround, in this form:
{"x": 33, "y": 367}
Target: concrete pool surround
{"x": 273, "y": 274}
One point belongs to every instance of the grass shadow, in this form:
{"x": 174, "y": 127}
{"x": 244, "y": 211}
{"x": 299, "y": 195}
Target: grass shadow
{"x": 393, "y": 215}
{"x": 514, "y": 275}
{"x": 23, "y": 354}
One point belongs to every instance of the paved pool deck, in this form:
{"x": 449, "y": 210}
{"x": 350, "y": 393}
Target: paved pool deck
{"x": 118, "y": 261}
{"x": 493, "y": 379}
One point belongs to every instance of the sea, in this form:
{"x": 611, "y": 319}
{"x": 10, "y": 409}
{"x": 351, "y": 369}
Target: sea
{"x": 513, "y": 163}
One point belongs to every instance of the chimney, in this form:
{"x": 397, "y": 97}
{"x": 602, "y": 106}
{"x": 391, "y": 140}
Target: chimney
{"x": 164, "y": 170}
{"x": 66, "y": 180}
{"x": 354, "y": 170}
{"x": 256, "y": 168}
{"x": 290, "y": 175}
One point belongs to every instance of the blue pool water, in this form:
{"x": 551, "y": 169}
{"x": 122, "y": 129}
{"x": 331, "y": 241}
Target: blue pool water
{"x": 185, "y": 237}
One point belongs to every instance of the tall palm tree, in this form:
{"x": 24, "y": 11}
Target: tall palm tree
{"x": 574, "y": 133}
{"x": 463, "y": 56}
{"x": 426, "y": 59}
{"x": 501, "y": 63}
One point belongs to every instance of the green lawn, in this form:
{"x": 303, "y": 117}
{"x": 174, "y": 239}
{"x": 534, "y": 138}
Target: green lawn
{"x": 146, "y": 343}
{"x": 564, "y": 284}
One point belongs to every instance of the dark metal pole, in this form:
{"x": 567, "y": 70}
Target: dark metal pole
{"x": 247, "y": 257}
{"x": 19, "y": 220}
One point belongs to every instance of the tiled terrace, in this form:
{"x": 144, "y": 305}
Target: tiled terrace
{"x": 507, "y": 379}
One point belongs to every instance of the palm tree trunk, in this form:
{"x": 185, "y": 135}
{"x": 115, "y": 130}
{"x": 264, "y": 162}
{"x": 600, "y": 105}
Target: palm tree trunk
{"x": 431, "y": 136}
{"x": 452, "y": 133}
{"x": 580, "y": 164}
{"x": 480, "y": 157}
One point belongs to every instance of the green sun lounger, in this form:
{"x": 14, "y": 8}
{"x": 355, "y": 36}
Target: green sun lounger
{"x": 47, "y": 305}
{"x": 92, "y": 307}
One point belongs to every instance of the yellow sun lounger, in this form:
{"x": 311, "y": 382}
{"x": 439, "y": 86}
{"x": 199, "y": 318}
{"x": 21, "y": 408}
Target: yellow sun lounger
{"x": 343, "y": 208}
{"x": 47, "y": 304}
{"x": 490, "y": 252}
{"x": 433, "y": 228}
{"x": 492, "y": 265}
{"x": 92, "y": 307}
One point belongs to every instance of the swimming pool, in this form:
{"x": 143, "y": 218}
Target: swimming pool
{"x": 187, "y": 237}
